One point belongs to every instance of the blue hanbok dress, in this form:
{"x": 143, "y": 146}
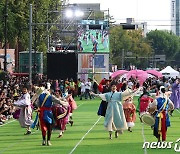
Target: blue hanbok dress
{"x": 114, "y": 117}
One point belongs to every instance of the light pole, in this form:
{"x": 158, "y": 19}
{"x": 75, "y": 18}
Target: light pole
{"x": 122, "y": 65}
{"x": 30, "y": 44}
{"x": 47, "y": 29}
{"x": 5, "y": 34}
{"x": 35, "y": 41}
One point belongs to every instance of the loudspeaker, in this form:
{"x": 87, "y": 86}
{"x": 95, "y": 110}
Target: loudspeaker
{"x": 62, "y": 65}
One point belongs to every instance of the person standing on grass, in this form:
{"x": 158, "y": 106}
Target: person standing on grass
{"x": 143, "y": 101}
{"x": 129, "y": 111}
{"x": 175, "y": 96}
{"x": 162, "y": 121}
{"x": 72, "y": 87}
{"x": 95, "y": 87}
{"x": 79, "y": 87}
{"x": 103, "y": 105}
{"x": 60, "y": 114}
{"x": 45, "y": 103}
{"x": 114, "y": 117}
{"x": 88, "y": 89}
{"x": 82, "y": 89}
{"x": 25, "y": 117}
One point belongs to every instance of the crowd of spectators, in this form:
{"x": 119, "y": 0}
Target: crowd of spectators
{"x": 10, "y": 90}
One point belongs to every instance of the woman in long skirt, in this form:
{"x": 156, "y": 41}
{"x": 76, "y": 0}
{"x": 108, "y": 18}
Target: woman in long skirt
{"x": 114, "y": 118}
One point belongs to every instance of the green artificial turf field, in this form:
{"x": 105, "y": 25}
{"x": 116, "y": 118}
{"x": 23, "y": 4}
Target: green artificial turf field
{"x": 86, "y": 136}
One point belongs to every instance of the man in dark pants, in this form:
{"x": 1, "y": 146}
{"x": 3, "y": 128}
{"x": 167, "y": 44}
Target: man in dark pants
{"x": 88, "y": 89}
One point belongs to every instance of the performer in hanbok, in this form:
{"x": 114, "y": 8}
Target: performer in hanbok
{"x": 38, "y": 91}
{"x": 72, "y": 107}
{"x": 61, "y": 114}
{"x": 143, "y": 101}
{"x": 129, "y": 111}
{"x": 175, "y": 96}
{"x": 45, "y": 103}
{"x": 162, "y": 121}
{"x": 103, "y": 105}
{"x": 114, "y": 119}
{"x": 25, "y": 117}
{"x": 72, "y": 87}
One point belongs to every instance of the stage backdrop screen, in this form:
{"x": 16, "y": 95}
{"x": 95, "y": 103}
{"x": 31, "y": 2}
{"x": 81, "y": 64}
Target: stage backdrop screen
{"x": 93, "y": 36}
{"x": 93, "y": 40}
{"x": 62, "y": 65}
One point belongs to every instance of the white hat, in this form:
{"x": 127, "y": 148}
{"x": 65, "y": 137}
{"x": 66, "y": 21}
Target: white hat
{"x": 162, "y": 89}
{"x": 128, "y": 94}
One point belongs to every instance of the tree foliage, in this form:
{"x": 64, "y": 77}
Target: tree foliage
{"x": 164, "y": 42}
{"x": 130, "y": 42}
{"x": 18, "y": 22}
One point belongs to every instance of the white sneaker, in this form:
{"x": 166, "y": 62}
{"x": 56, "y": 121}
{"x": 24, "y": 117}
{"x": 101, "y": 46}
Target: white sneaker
{"x": 44, "y": 142}
{"x": 49, "y": 143}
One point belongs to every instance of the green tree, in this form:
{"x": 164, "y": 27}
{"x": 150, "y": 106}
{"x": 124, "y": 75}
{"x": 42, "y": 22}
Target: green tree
{"x": 119, "y": 41}
{"x": 18, "y": 22}
{"x": 129, "y": 41}
{"x": 164, "y": 42}
{"x": 140, "y": 48}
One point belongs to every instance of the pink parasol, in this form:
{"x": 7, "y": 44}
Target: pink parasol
{"x": 155, "y": 73}
{"x": 139, "y": 74}
{"x": 119, "y": 72}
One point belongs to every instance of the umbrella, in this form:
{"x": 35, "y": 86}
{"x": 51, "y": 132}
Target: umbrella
{"x": 155, "y": 73}
{"x": 139, "y": 74}
{"x": 119, "y": 72}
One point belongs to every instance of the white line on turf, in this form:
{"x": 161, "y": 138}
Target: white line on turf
{"x": 177, "y": 110}
{"x": 145, "y": 149}
{"x": 80, "y": 105}
{"x": 7, "y": 123}
{"x": 84, "y": 136}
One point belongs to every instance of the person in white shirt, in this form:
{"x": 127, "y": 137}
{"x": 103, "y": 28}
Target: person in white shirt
{"x": 130, "y": 84}
{"x": 88, "y": 88}
{"x": 82, "y": 89}
{"x": 25, "y": 117}
{"x": 48, "y": 85}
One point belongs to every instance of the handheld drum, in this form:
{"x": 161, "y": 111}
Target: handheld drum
{"x": 147, "y": 119}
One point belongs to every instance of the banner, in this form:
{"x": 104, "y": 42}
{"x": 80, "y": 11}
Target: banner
{"x": 85, "y": 66}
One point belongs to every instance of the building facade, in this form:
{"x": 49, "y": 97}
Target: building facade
{"x": 175, "y": 17}
{"x": 132, "y": 25}
{"x": 88, "y": 6}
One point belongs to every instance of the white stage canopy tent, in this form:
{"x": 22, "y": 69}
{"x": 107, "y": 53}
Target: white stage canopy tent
{"x": 170, "y": 72}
